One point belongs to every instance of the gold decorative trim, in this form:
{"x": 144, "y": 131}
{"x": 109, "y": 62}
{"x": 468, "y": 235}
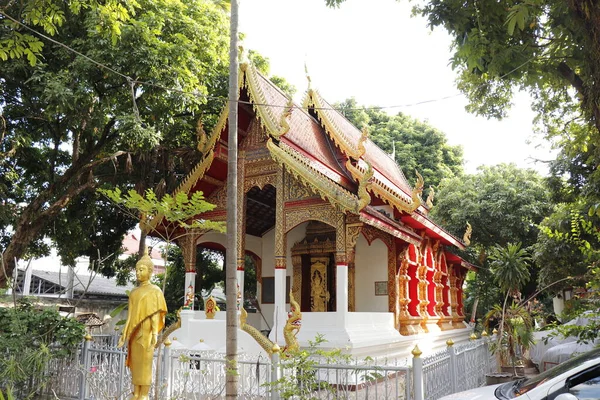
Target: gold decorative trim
{"x": 313, "y": 99}
{"x": 323, "y": 213}
{"x": 194, "y": 176}
{"x": 276, "y": 127}
{"x": 467, "y": 235}
{"x": 328, "y": 191}
{"x": 364, "y": 184}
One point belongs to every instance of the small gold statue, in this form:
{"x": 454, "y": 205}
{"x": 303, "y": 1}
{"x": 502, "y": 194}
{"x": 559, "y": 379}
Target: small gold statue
{"x": 210, "y": 308}
{"x": 145, "y": 319}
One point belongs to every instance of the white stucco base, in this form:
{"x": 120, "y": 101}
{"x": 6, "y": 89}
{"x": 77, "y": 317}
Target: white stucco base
{"x": 195, "y": 329}
{"x": 364, "y": 334}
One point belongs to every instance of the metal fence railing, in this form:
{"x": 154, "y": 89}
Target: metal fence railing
{"x": 97, "y": 371}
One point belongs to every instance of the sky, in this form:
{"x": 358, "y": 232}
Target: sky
{"x": 374, "y": 51}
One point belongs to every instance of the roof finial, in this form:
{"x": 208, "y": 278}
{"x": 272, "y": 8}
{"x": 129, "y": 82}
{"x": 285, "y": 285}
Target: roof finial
{"x": 307, "y": 74}
{"x": 242, "y": 55}
{"x": 393, "y": 155}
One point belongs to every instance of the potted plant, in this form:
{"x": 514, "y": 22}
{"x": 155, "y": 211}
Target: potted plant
{"x": 509, "y": 267}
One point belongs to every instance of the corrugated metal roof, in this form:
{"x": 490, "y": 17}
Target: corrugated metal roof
{"x": 95, "y": 284}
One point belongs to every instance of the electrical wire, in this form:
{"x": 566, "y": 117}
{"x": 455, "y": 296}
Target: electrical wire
{"x": 132, "y": 81}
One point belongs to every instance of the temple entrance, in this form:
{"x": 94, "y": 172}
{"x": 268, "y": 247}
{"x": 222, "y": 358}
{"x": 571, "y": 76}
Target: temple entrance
{"x": 314, "y": 265}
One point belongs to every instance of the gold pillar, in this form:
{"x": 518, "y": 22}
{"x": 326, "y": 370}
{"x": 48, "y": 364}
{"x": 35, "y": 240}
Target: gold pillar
{"x": 352, "y": 233}
{"x": 187, "y": 244}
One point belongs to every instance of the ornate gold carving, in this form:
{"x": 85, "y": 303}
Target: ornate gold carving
{"x": 256, "y": 136}
{"x": 187, "y": 244}
{"x": 279, "y": 217}
{"x": 364, "y": 185}
{"x": 328, "y": 121}
{"x": 297, "y": 276}
{"x": 263, "y": 166}
{"x": 323, "y": 212}
{"x": 393, "y": 305}
{"x": 259, "y": 181}
{"x": 266, "y": 114}
{"x": 280, "y": 263}
{"x": 210, "y": 308}
{"x": 296, "y": 190}
{"x": 467, "y": 235}
{"x": 416, "y": 193}
{"x": 298, "y": 166}
{"x": 219, "y": 198}
{"x": 429, "y": 201}
{"x": 361, "y": 142}
{"x": 319, "y": 296}
{"x": 371, "y": 234}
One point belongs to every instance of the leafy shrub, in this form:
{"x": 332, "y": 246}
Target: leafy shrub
{"x": 29, "y": 338}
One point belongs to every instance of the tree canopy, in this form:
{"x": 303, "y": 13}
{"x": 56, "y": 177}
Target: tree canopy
{"x": 503, "y": 204}
{"x": 415, "y": 145}
{"x": 69, "y": 125}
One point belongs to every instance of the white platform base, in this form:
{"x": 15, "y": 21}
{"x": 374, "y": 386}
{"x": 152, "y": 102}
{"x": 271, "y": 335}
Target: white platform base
{"x": 362, "y": 335}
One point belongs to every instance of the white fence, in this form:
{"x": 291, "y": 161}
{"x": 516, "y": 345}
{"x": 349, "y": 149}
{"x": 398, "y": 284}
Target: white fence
{"x": 98, "y": 372}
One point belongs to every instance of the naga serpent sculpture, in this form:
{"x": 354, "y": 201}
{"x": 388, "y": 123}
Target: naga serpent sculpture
{"x": 290, "y": 330}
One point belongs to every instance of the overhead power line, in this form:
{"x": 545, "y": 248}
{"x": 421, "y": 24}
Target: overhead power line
{"x": 132, "y": 81}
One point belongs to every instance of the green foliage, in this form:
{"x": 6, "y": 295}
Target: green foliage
{"x": 174, "y": 212}
{"x": 72, "y": 126}
{"x": 300, "y": 378}
{"x": 208, "y": 274}
{"x": 552, "y": 252}
{"x": 29, "y": 339}
{"x": 9, "y": 394}
{"x": 517, "y": 331}
{"x": 416, "y": 145}
{"x": 509, "y": 266}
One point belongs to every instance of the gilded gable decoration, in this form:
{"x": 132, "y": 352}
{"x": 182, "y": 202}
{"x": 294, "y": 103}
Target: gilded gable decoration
{"x": 256, "y": 137}
{"x": 219, "y": 198}
{"x": 296, "y": 165}
{"x": 297, "y": 190}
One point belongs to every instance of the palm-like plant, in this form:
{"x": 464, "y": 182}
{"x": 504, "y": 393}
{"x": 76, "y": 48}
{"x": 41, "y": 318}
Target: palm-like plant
{"x": 510, "y": 269}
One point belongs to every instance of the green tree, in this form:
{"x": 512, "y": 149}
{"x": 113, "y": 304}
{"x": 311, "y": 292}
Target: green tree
{"x": 415, "y": 145}
{"x": 557, "y": 258}
{"x": 69, "y": 126}
{"x": 509, "y": 267}
{"x": 209, "y": 274}
{"x": 503, "y": 204}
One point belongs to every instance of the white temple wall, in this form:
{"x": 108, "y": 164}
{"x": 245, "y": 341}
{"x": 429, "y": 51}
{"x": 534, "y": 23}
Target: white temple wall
{"x": 214, "y": 237}
{"x": 371, "y": 266}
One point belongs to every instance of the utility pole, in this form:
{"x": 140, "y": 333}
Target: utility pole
{"x": 231, "y": 386}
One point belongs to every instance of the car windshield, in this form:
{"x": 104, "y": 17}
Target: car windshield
{"x": 514, "y": 389}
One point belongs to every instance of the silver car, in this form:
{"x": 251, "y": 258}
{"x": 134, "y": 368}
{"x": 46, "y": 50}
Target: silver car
{"x": 576, "y": 379}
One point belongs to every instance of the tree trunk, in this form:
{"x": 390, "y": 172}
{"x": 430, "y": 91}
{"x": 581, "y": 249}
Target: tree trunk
{"x": 49, "y": 203}
{"x": 231, "y": 386}
{"x": 32, "y": 222}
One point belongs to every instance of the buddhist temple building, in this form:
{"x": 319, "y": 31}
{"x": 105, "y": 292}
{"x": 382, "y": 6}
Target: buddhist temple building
{"x": 328, "y": 215}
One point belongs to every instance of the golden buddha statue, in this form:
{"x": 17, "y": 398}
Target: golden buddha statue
{"x": 145, "y": 319}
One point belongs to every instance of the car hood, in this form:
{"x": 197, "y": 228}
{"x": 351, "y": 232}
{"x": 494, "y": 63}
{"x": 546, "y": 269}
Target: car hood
{"x": 481, "y": 393}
